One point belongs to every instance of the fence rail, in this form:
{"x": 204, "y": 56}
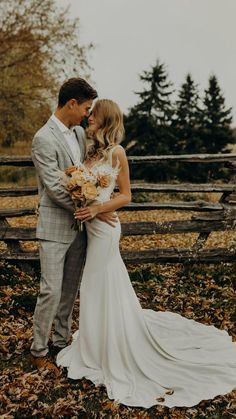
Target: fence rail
{"x": 207, "y": 217}
{"x": 165, "y": 188}
{"x": 24, "y": 161}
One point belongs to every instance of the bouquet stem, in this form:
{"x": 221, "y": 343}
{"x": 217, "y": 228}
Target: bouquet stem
{"x": 77, "y": 225}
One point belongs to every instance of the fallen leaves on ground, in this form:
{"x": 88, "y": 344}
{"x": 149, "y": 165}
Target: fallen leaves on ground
{"x": 205, "y": 293}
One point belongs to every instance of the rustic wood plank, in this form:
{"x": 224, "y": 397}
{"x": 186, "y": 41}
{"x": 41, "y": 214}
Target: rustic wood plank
{"x": 13, "y": 246}
{"x": 183, "y": 187}
{"x": 149, "y": 206}
{"x": 180, "y": 206}
{"x": 173, "y": 255}
{"x": 26, "y": 161}
{"x": 20, "y": 191}
{"x": 170, "y": 255}
{"x": 225, "y": 197}
{"x": 174, "y": 227}
{"x": 188, "y": 158}
{"x": 201, "y": 240}
{"x": 229, "y": 213}
{"x": 161, "y": 187}
{"x": 17, "y": 233}
{"x": 231, "y": 199}
{"x": 20, "y": 256}
{"x": 137, "y": 228}
{"x": 20, "y": 161}
{"x": 16, "y": 212}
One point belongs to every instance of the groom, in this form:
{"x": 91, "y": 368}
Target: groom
{"x": 59, "y": 144}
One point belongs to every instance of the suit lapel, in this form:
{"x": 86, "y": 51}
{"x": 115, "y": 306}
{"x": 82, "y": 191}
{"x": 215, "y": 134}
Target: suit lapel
{"x": 81, "y": 144}
{"x": 60, "y": 138}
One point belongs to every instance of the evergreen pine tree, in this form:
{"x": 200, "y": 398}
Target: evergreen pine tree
{"x": 155, "y": 101}
{"x": 187, "y": 126}
{"x": 148, "y": 124}
{"x": 187, "y": 118}
{"x": 216, "y": 119}
{"x": 217, "y": 133}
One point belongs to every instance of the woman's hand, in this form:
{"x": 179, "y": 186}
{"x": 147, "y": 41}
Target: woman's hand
{"x": 87, "y": 213}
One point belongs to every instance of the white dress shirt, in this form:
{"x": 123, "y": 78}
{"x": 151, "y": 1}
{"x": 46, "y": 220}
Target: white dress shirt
{"x": 70, "y": 137}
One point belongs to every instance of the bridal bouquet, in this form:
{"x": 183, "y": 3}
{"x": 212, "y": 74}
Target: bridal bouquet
{"x": 84, "y": 186}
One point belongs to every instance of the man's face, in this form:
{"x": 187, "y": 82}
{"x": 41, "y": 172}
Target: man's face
{"x": 79, "y": 111}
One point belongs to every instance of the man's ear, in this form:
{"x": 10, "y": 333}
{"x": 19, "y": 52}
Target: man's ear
{"x": 71, "y": 103}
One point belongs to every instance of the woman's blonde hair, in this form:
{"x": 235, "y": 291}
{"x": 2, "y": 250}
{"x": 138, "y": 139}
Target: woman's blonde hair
{"x": 111, "y": 128}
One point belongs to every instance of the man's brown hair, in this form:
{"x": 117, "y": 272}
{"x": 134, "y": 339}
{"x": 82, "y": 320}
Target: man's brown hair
{"x": 75, "y": 88}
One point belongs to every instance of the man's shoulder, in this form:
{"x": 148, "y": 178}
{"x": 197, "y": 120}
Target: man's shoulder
{"x": 43, "y": 132}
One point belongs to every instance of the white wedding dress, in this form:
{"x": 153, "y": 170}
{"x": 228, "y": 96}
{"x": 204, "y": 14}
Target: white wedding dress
{"x": 143, "y": 357}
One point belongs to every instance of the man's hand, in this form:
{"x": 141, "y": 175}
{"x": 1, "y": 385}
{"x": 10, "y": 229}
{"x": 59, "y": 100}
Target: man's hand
{"x": 110, "y": 218}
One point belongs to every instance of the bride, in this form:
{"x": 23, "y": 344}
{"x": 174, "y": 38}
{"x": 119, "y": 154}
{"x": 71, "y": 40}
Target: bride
{"x": 142, "y": 357}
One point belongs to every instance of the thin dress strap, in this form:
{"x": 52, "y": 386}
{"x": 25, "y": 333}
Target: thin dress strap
{"x": 111, "y": 152}
{"x": 116, "y": 169}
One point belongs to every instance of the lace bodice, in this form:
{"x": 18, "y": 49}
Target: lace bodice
{"x": 106, "y": 169}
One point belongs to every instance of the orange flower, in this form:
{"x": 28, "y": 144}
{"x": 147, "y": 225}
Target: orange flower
{"x": 77, "y": 178}
{"x": 71, "y": 185}
{"x": 104, "y": 181}
{"x": 70, "y": 170}
{"x": 76, "y": 195}
{"x": 89, "y": 190}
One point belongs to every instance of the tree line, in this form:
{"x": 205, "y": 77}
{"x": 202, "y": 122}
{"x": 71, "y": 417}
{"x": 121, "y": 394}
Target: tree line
{"x": 188, "y": 124}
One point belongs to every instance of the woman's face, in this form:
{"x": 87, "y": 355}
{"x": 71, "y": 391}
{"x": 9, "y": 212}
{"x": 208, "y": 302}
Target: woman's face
{"x": 94, "y": 124}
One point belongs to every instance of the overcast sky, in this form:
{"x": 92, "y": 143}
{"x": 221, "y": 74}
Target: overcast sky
{"x": 196, "y": 36}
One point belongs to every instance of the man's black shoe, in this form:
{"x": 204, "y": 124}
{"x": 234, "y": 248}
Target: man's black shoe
{"x": 54, "y": 350}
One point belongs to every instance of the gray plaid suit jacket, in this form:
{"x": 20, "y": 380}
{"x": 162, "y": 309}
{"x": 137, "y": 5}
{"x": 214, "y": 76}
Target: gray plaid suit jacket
{"x": 51, "y": 153}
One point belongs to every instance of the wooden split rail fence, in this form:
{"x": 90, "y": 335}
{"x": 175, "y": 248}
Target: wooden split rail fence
{"x": 210, "y": 217}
